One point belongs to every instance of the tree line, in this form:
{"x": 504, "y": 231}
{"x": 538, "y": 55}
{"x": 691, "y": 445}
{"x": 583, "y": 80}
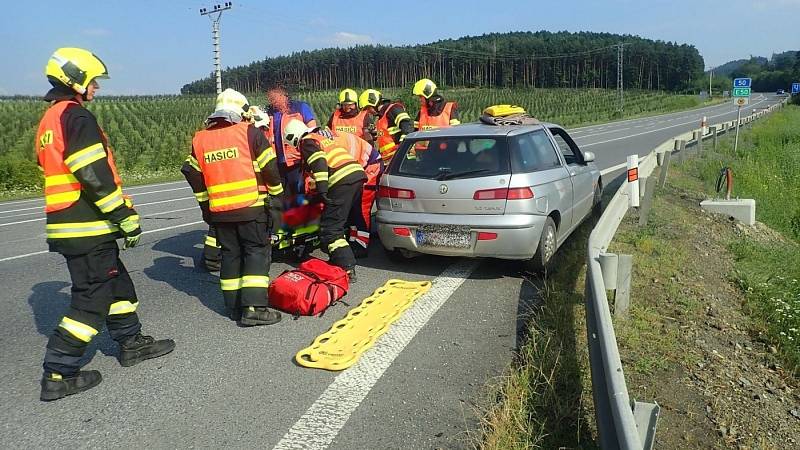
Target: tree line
{"x": 499, "y": 60}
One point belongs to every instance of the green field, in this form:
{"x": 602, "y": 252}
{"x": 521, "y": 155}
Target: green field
{"x": 766, "y": 167}
{"x": 151, "y": 135}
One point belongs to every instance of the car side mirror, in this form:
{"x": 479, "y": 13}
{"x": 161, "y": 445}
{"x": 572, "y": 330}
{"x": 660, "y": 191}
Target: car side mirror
{"x": 588, "y": 157}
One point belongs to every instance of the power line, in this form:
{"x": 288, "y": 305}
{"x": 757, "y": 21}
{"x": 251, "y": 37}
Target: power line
{"x": 216, "y": 10}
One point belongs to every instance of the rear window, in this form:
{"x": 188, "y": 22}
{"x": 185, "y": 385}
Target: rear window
{"x": 450, "y": 158}
{"x": 532, "y": 152}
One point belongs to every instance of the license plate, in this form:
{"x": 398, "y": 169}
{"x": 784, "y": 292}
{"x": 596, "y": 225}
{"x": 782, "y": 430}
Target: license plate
{"x": 444, "y": 236}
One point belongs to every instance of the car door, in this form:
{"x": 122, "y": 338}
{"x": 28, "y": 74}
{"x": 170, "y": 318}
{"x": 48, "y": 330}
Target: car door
{"x": 535, "y": 162}
{"x": 579, "y": 171}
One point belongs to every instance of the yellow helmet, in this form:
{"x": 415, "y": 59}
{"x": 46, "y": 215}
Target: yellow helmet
{"x": 369, "y": 97}
{"x": 75, "y": 68}
{"x": 348, "y": 96}
{"x": 231, "y": 105}
{"x": 424, "y": 87}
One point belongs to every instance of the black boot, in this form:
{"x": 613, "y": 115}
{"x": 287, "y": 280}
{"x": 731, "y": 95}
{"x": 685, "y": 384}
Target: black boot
{"x": 255, "y": 315}
{"x": 351, "y": 276}
{"x": 138, "y": 347}
{"x": 54, "y": 386}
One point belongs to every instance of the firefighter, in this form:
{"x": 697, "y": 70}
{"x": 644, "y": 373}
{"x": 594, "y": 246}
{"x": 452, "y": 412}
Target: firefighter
{"x": 434, "y": 111}
{"x": 86, "y": 213}
{"x": 282, "y": 109}
{"x": 392, "y": 125}
{"x": 348, "y": 118}
{"x": 232, "y": 168}
{"x": 360, "y": 219}
{"x": 212, "y": 251}
{"x": 338, "y": 178}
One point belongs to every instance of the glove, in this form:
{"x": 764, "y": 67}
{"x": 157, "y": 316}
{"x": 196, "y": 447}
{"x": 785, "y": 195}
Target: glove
{"x": 276, "y": 204}
{"x": 131, "y": 231}
{"x": 326, "y": 133}
{"x": 323, "y": 197}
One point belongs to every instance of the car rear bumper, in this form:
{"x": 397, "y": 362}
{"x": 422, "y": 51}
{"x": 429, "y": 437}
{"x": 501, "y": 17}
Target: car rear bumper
{"x": 517, "y": 235}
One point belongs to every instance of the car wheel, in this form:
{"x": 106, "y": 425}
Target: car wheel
{"x": 397, "y": 256}
{"x": 597, "y": 203}
{"x": 546, "y": 248}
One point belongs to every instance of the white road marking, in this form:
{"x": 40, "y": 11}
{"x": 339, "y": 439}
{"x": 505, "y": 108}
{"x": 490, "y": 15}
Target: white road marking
{"x": 135, "y": 206}
{"x": 126, "y": 191}
{"x": 654, "y": 131}
{"x": 10, "y": 258}
{"x": 321, "y": 423}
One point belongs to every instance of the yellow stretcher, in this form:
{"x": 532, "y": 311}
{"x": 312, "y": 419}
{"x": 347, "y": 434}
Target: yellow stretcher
{"x": 342, "y": 345}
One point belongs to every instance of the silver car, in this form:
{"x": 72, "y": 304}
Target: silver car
{"x": 510, "y": 192}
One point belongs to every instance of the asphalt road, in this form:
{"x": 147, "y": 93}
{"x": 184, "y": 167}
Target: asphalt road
{"x": 233, "y": 387}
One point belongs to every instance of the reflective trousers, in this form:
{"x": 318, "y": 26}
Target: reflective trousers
{"x": 212, "y": 252}
{"x": 332, "y": 223}
{"x": 102, "y": 292}
{"x": 246, "y": 255}
{"x": 359, "y": 219}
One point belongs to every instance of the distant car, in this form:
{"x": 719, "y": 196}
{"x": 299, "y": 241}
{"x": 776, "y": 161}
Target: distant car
{"x": 478, "y": 190}
{"x": 780, "y": 92}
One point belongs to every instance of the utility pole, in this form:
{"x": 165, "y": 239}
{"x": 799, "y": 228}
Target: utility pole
{"x": 619, "y": 78}
{"x": 710, "y": 73}
{"x": 215, "y": 14}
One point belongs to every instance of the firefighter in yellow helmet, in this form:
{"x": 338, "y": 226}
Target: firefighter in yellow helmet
{"x": 392, "y": 125}
{"x": 348, "y": 118}
{"x": 434, "y": 111}
{"x": 233, "y": 170}
{"x": 86, "y": 214}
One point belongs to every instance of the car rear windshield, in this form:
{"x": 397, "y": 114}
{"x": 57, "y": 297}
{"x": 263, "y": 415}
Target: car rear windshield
{"x": 449, "y": 158}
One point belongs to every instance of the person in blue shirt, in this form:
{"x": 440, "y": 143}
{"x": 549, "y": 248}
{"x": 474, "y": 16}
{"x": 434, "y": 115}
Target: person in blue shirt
{"x": 282, "y": 109}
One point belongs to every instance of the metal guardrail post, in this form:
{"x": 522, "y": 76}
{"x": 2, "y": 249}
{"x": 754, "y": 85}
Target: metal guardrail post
{"x": 700, "y": 143}
{"x": 662, "y": 175}
{"x": 622, "y": 295}
{"x": 681, "y": 151}
{"x": 714, "y": 134}
{"x": 608, "y": 267}
{"x": 647, "y": 200}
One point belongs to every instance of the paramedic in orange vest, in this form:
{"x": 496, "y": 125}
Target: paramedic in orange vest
{"x": 233, "y": 172}
{"x": 359, "y": 221}
{"x": 338, "y": 178}
{"x": 212, "y": 251}
{"x": 392, "y": 125}
{"x": 282, "y": 109}
{"x": 434, "y": 111}
{"x": 348, "y": 118}
{"x": 86, "y": 213}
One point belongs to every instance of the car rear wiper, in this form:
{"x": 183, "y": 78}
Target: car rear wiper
{"x": 450, "y": 175}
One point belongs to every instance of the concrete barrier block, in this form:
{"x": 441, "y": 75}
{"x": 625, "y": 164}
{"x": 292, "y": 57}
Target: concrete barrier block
{"x": 743, "y": 210}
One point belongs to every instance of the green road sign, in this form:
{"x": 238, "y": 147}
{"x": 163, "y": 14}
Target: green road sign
{"x": 741, "y": 92}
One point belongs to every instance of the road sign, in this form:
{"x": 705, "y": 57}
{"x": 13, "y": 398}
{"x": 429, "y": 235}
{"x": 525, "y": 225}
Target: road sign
{"x": 795, "y": 88}
{"x": 742, "y": 83}
{"x": 741, "y": 92}
{"x": 741, "y": 101}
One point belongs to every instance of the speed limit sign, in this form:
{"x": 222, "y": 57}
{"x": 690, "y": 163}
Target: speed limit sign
{"x": 741, "y": 101}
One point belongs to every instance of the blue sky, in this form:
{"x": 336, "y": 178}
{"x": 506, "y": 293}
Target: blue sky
{"x": 157, "y": 46}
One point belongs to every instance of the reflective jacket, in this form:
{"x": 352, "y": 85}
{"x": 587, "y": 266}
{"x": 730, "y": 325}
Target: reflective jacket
{"x": 290, "y": 153}
{"x": 354, "y": 125}
{"x": 429, "y": 122}
{"x": 390, "y": 128}
{"x": 329, "y": 161}
{"x": 83, "y": 191}
{"x": 245, "y": 151}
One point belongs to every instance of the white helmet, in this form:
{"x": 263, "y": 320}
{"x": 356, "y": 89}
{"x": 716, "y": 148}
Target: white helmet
{"x": 230, "y": 106}
{"x": 293, "y": 131}
{"x": 259, "y": 118}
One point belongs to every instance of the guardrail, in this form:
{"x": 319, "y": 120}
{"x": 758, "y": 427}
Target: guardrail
{"x": 622, "y": 423}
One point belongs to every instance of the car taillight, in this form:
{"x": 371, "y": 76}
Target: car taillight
{"x": 390, "y": 192}
{"x": 520, "y": 193}
{"x": 486, "y": 236}
{"x": 402, "y": 231}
